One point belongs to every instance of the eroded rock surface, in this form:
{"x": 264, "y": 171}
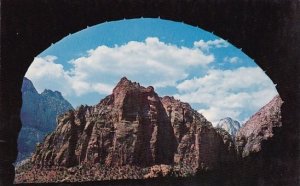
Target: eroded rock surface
{"x": 130, "y": 126}
{"x": 259, "y": 127}
{"x": 135, "y": 127}
{"x": 38, "y": 116}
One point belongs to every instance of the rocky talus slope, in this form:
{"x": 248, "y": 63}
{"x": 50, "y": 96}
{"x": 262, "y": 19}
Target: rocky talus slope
{"x": 133, "y": 131}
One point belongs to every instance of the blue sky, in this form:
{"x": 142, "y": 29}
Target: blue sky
{"x": 187, "y": 62}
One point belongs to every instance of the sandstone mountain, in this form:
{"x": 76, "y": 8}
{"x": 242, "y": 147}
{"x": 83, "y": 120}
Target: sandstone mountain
{"x": 38, "y": 116}
{"x": 134, "y": 127}
{"x": 199, "y": 145}
{"x": 230, "y": 125}
{"x": 259, "y": 128}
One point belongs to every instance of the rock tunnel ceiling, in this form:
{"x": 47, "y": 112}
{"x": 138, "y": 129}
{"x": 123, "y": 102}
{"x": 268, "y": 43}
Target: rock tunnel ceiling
{"x": 192, "y": 71}
{"x": 274, "y": 33}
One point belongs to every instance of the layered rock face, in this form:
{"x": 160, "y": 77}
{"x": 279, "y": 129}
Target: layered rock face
{"x": 259, "y": 128}
{"x": 135, "y": 134}
{"x": 230, "y": 125}
{"x": 38, "y": 116}
{"x": 199, "y": 145}
{"x": 40, "y": 110}
{"x": 134, "y": 126}
{"x": 130, "y": 126}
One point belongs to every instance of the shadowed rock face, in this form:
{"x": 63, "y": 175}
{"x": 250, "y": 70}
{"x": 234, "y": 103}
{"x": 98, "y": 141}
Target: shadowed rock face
{"x": 133, "y": 126}
{"x": 199, "y": 145}
{"x": 40, "y": 110}
{"x": 38, "y": 116}
{"x": 259, "y": 128}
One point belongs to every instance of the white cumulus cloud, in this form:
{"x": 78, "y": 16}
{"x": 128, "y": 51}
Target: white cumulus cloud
{"x": 151, "y": 62}
{"x": 45, "y": 73}
{"x": 159, "y": 64}
{"x": 234, "y": 93}
{"x": 206, "y": 45}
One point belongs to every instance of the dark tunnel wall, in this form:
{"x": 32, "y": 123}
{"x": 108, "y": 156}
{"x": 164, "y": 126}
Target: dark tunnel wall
{"x": 266, "y": 30}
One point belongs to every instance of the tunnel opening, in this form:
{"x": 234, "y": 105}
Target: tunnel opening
{"x": 202, "y": 80}
{"x": 273, "y": 29}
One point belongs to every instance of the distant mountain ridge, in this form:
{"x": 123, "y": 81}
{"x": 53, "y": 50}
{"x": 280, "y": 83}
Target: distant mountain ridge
{"x": 230, "y": 125}
{"x": 38, "y": 116}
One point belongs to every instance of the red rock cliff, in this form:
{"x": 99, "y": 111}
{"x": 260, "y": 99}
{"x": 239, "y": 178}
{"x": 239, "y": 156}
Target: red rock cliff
{"x": 134, "y": 126}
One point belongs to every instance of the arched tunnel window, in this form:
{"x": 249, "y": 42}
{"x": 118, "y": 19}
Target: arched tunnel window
{"x": 138, "y": 99}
